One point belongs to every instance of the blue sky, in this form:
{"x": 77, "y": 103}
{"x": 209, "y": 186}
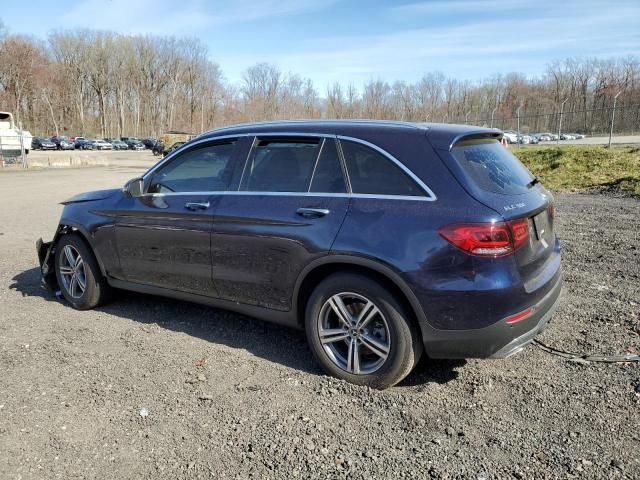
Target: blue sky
{"x": 353, "y": 41}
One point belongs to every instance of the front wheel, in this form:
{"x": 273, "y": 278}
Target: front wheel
{"x": 360, "y": 332}
{"x": 78, "y": 274}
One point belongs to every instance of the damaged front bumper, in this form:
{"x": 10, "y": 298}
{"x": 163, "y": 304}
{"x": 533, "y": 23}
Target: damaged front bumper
{"x": 46, "y": 255}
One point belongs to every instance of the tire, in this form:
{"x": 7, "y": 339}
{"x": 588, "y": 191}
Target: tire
{"x": 388, "y": 342}
{"x": 96, "y": 288}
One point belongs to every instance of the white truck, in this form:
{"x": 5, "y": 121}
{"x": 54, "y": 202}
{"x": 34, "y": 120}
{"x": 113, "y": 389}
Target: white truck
{"x": 12, "y": 139}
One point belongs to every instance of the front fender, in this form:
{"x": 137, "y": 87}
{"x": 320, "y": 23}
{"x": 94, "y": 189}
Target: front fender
{"x": 70, "y": 226}
{"x": 46, "y": 253}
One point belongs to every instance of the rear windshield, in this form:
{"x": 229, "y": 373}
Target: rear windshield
{"x": 492, "y": 167}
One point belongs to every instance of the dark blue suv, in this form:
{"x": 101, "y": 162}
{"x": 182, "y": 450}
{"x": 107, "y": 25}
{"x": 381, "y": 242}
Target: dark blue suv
{"x": 380, "y": 239}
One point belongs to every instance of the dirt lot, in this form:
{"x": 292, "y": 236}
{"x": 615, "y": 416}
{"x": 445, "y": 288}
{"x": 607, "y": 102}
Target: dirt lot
{"x": 152, "y": 388}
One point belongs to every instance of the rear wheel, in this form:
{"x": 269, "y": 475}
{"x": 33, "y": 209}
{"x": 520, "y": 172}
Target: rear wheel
{"x": 78, "y": 273}
{"x": 359, "y": 332}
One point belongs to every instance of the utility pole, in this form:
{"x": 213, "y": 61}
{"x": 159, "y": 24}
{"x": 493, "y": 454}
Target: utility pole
{"x": 518, "y": 115}
{"x": 202, "y": 117}
{"x": 613, "y": 115}
{"x": 23, "y": 157}
{"x": 492, "y": 114}
{"x": 560, "y": 120}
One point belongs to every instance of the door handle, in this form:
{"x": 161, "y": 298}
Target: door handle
{"x": 196, "y": 205}
{"x": 312, "y": 212}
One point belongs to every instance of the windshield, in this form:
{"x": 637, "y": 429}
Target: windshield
{"x": 492, "y": 167}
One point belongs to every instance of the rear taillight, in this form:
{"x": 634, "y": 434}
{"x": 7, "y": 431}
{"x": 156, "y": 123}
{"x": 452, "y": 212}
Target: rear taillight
{"x": 519, "y": 231}
{"x": 493, "y": 239}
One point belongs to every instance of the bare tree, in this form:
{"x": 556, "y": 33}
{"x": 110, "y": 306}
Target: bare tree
{"x": 102, "y": 83}
{"x": 20, "y": 60}
{"x": 376, "y": 99}
{"x": 261, "y": 85}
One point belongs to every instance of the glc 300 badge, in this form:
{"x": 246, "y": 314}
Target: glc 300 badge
{"x": 513, "y": 206}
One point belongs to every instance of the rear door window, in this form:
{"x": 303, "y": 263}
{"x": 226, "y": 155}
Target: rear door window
{"x": 280, "y": 165}
{"x": 328, "y": 176}
{"x": 372, "y": 173}
{"x": 492, "y": 167}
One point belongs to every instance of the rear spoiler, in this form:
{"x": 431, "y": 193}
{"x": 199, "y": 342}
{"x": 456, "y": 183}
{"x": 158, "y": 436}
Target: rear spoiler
{"x": 497, "y": 135}
{"x": 446, "y": 140}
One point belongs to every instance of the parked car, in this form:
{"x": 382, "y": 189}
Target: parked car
{"x": 102, "y": 145}
{"x": 62, "y": 142}
{"x": 79, "y": 141}
{"x": 134, "y": 144}
{"x": 158, "y": 148}
{"x": 567, "y": 136}
{"x": 41, "y": 143}
{"x": 117, "y": 144}
{"x": 66, "y": 145}
{"x": 524, "y": 139}
{"x": 149, "y": 143}
{"x": 335, "y": 227}
{"x": 511, "y": 136}
{"x": 85, "y": 144}
{"x": 577, "y": 136}
{"x": 545, "y": 137}
{"x": 171, "y": 148}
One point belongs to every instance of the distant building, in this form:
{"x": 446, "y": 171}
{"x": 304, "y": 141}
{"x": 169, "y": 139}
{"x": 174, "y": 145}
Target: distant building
{"x": 173, "y": 136}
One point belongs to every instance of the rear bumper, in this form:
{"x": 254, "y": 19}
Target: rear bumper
{"x": 499, "y": 340}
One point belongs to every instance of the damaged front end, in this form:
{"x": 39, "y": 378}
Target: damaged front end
{"x": 46, "y": 255}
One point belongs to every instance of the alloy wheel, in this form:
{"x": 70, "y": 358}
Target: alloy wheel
{"x": 72, "y": 272}
{"x": 354, "y": 333}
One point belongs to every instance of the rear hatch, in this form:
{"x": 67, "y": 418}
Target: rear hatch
{"x": 491, "y": 174}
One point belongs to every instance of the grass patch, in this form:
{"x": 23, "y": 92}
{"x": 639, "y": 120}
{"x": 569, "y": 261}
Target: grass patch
{"x": 571, "y": 168}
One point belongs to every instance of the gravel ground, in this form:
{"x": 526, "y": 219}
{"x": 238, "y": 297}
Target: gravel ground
{"x": 152, "y": 388}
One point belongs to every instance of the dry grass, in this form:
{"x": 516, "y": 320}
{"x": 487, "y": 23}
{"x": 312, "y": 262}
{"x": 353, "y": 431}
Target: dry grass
{"x": 571, "y": 168}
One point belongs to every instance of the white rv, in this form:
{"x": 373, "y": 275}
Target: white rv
{"x": 12, "y": 139}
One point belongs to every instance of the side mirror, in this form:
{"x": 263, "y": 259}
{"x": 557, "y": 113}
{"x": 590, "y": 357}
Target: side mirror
{"x": 134, "y": 187}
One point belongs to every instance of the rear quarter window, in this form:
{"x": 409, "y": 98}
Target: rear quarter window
{"x": 492, "y": 167}
{"x": 371, "y": 173}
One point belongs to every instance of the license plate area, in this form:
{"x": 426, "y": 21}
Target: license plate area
{"x": 542, "y": 226}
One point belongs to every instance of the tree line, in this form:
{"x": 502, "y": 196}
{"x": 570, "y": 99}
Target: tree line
{"x": 105, "y": 84}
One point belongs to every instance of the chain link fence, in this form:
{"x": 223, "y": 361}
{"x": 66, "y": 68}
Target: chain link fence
{"x": 621, "y": 121}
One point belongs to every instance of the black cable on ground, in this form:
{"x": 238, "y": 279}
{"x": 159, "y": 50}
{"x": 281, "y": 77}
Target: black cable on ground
{"x": 587, "y": 358}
